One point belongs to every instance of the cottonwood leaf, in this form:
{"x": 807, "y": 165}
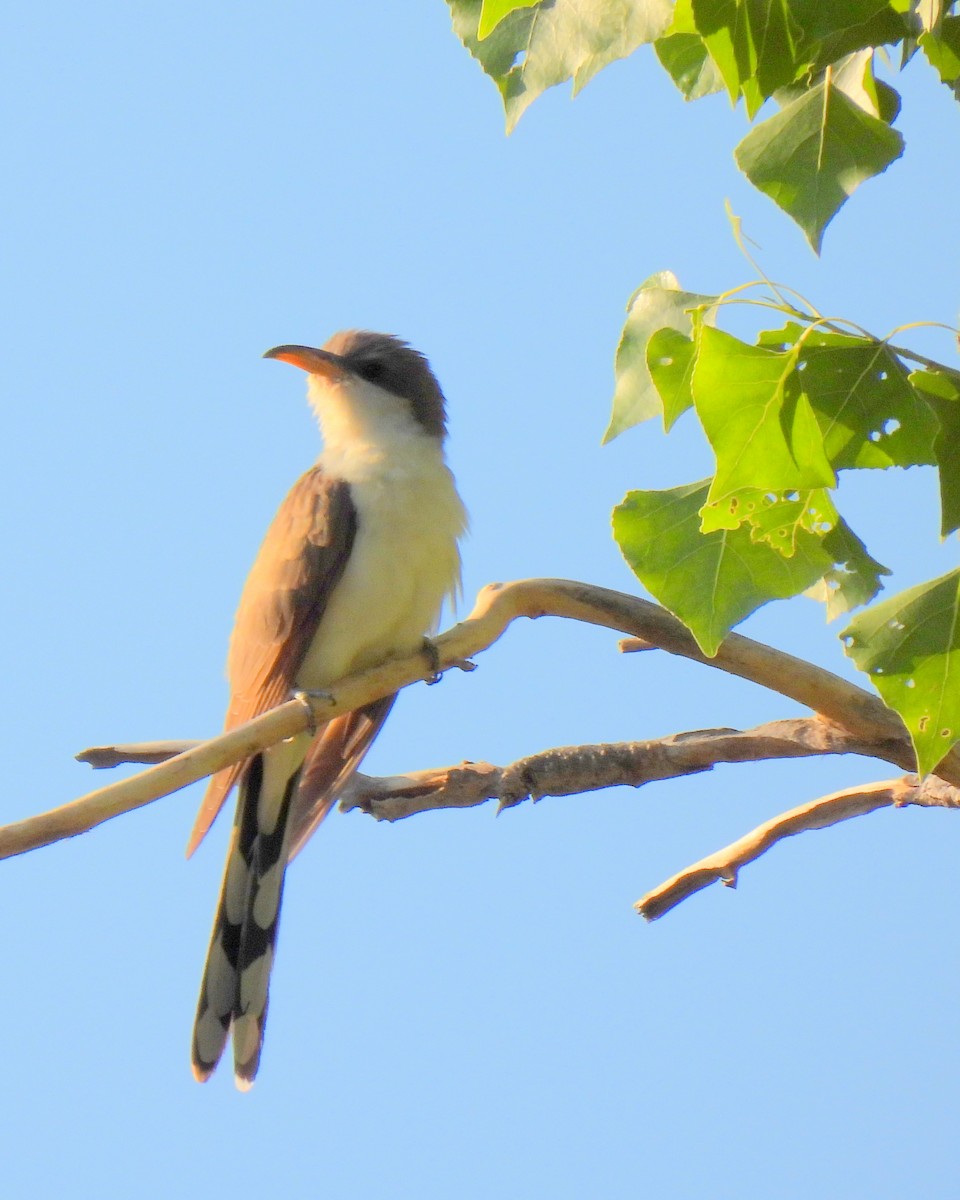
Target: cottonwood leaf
{"x": 855, "y": 76}
{"x": 710, "y": 581}
{"x": 658, "y": 303}
{"x": 532, "y": 49}
{"x": 909, "y": 646}
{"x": 492, "y": 12}
{"x": 683, "y": 54}
{"x": 855, "y": 577}
{"x": 754, "y": 44}
{"x": 779, "y": 520}
{"x": 942, "y": 390}
{"x": 814, "y": 153}
{"x": 868, "y": 410}
{"x": 831, "y": 31}
{"x": 670, "y": 359}
{"x": 942, "y": 48}
{"x": 756, "y": 418}
{"x": 774, "y": 517}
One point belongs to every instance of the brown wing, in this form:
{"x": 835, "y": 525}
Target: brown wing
{"x": 334, "y": 754}
{"x": 299, "y": 563}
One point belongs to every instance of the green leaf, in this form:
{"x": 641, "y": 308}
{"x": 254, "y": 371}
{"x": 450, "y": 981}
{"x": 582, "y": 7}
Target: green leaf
{"x": 683, "y": 53}
{"x": 927, "y": 14}
{"x": 910, "y": 647}
{"x": 942, "y": 389}
{"x": 532, "y": 49}
{"x": 821, "y": 21}
{"x": 492, "y": 12}
{"x": 834, "y": 30}
{"x": 774, "y": 517}
{"x": 753, "y": 44}
{"x": 685, "y": 59}
{"x": 855, "y": 77}
{"x": 783, "y": 338}
{"x": 780, "y": 522}
{"x": 498, "y": 52}
{"x": 942, "y": 48}
{"x": 759, "y": 423}
{"x": 657, "y": 304}
{"x": 812, "y": 155}
{"x": 785, "y": 521}
{"x": 870, "y": 410}
{"x": 670, "y": 359}
{"x": 710, "y": 581}
{"x": 870, "y": 414}
{"x": 854, "y": 579}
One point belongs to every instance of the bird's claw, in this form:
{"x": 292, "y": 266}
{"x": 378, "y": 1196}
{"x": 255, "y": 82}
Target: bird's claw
{"x": 433, "y": 658}
{"x": 307, "y": 696}
{"x": 432, "y": 652}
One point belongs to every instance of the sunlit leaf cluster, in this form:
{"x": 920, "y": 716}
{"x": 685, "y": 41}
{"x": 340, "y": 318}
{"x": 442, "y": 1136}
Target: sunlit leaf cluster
{"x": 784, "y": 415}
{"x": 805, "y": 69}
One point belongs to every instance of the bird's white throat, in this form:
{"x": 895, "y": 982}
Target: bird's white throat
{"x": 405, "y": 560}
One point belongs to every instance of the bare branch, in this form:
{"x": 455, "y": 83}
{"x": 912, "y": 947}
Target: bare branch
{"x": 572, "y": 770}
{"x": 725, "y": 864}
{"x": 563, "y": 770}
{"x": 497, "y": 605}
{"x": 99, "y": 757}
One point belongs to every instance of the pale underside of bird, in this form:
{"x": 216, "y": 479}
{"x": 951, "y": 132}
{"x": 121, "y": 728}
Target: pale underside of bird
{"x": 354, "y": 569}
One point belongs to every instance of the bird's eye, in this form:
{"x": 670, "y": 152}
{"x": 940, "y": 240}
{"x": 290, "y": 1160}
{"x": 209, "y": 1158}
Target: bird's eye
{"x": 371, "y": 371}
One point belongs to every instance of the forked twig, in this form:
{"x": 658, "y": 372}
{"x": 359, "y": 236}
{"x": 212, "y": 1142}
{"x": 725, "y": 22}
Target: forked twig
{"x": 724, "y": 866}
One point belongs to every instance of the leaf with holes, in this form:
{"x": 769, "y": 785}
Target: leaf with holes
{"x": 710, "y": 581}
{"x": 872, "y": 412}
{"x": 659, "y": 303}
{"x": 774, "y": 517}
{"x": 910, "y": 647}
{"x": 670, "y": 359}
{"x": 868, "y": 410}
{"x": 942, "y": 391}
{"x": 756, "y": 418}
{"x": 854, "y": 579}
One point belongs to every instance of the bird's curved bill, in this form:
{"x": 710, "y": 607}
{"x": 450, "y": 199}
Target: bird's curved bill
{"x": 314, "y": 362}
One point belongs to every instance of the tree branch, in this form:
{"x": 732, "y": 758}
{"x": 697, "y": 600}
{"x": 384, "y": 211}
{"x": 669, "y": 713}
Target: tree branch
{"x": 855, "y": 710}
{"x": 572, "y": 770}
{"x": 561, "y": 771}
{"x": 100, "y": 757}
{"x": 725, "y": 864}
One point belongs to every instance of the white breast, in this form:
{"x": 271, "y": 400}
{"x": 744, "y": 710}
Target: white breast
{"x": 404, "y": 562}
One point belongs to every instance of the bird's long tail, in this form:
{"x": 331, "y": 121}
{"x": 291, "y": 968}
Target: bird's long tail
{"x": 236, "y": 978}
{"x": 283, "y": 798}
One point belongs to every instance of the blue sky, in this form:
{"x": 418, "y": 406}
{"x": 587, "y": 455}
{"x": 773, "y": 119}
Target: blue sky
{"x": 462, "y": 1005}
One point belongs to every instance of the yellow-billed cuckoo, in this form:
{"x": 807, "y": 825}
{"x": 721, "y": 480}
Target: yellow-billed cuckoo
{"x": 354, "y": 568}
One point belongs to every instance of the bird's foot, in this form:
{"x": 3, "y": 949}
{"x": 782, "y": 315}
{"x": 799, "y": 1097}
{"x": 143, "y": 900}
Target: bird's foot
{"x": 308, "y": 698}
{"x": 433, "y": 658}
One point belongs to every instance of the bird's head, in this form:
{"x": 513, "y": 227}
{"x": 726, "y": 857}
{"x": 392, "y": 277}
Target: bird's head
{"x": 357, "y": 360}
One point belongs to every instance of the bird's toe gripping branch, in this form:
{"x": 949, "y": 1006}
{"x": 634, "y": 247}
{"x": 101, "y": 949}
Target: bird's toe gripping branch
{"x": 308, "y": 697}
{"x": 432, "y": 653}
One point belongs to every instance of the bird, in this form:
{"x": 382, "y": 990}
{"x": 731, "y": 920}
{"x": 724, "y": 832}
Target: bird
{"x": 354, "y": 569}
